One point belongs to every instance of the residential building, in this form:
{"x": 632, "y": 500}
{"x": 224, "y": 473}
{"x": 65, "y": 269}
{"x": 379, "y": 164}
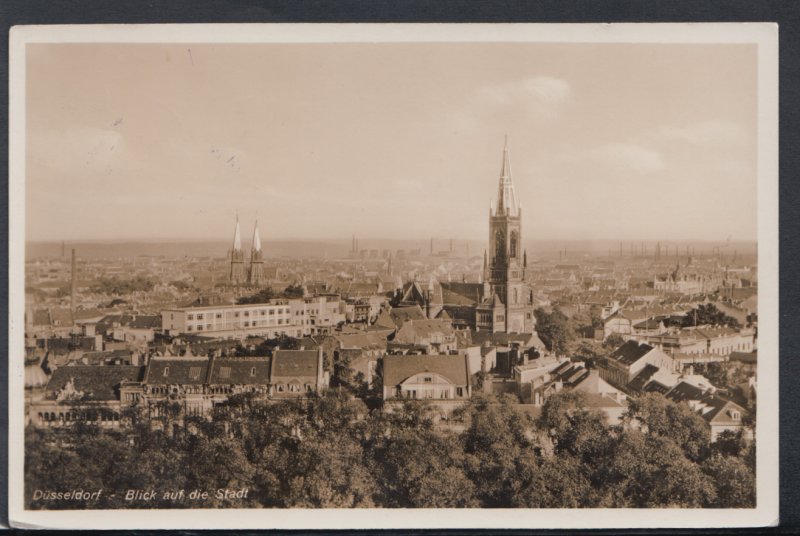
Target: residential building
{"x": 632, "y": 359}
{"x": 442, "y": 379}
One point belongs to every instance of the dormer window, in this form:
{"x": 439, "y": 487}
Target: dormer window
{"x": 166, "y": 371}
{"x": 253, "y": 371}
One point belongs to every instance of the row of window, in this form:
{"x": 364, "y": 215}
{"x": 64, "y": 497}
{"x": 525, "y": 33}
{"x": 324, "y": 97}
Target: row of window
{"x": 236, "y": 314}
{"x": 246, "y": 323}
{"x": 74, "y": 416}
{"x": 443, "y": 394}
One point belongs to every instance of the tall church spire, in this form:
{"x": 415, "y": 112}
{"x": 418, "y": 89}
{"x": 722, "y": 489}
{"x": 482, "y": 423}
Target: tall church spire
{"x": 237, "y": 237}
{"x": 506, "y": 197}
{"x": 256, "y": 273}
{"x": 237, "y": 256}
{"x": 256, "y": 239}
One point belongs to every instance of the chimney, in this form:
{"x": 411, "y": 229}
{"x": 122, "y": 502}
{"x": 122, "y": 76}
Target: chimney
{"x": 72, "y": 287}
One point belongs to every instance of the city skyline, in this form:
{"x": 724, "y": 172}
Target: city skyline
{"x": 612, "y": 141}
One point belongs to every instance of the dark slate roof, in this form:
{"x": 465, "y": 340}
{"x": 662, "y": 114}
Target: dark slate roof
{"x": 685, "y": 391}
{"x": 655, "y": 387}
{"x": 720, "y": 412}
{"x": 96, "y": 382}
{"x": 291, "y": 363}
{"x": 457, "y": 293}
{"x": 191, "y": 371}
{"x": 239, "y": 371}
{"x": 630, "y": 352}
{"x": 561, "y": 368}
{"x": 62, "y": 345}
{"x": 397, "y": 369}
{"x": 640, "y": 380}
{"x": 648, "y": 324}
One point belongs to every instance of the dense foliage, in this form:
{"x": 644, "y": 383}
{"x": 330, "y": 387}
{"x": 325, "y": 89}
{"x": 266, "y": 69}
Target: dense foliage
{"x": 266, "y": 294}
{"x": 555, "y": 329}
{"x": 708, "y": 314}
{"x": 331, "y": 452}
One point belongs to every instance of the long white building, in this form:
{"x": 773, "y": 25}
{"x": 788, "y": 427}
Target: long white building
{"x": 292, "y": 317}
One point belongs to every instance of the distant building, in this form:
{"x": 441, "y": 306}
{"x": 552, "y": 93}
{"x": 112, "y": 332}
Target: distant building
{"x": 424, "y": 337}
{"x": 297, "y": 373}
{"x": 291, "y": 317}
{"x": 632, "y": 360}
{"x": 179, "y": 386}
{"x": 442, "y": 379}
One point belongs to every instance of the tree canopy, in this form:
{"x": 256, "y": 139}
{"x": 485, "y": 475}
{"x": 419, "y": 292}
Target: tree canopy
{"x": 333, "y": 452}
{"x": 708, "y": 314}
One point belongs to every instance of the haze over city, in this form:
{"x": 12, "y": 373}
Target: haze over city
{"x": 395, "y": 141}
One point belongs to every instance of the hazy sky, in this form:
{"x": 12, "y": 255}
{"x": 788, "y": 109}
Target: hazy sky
{"x": 615, "y": 141}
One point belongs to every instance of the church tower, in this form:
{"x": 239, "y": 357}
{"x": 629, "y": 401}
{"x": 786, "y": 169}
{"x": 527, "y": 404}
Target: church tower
{"x": 507, "y": 262}
{"x": 256, "y": 259}
{"x": 237, "y": 257}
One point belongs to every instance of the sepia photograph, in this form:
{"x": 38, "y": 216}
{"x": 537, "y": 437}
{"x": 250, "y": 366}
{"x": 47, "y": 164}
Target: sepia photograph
{"x": 387, "y": 276}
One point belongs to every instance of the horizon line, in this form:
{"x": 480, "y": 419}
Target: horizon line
{"x": 112, "y": 241}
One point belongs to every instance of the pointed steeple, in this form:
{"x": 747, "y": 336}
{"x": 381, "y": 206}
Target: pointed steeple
{"x": 506, "y": 197}
{"x": 237, "y": 237}
{"x": 256, "y": 238}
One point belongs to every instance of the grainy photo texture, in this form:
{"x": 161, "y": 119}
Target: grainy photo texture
{"x": 390, "y": 274}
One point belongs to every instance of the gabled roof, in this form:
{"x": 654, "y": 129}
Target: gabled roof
{"x": 396, "y": 369}
{"x": 461, "y": 293}
{"x": 415, "y": 330}
{"x": 684, "y": 391}
{"x": 399, "y": 315}
{"x": 178, "y": 371}
{"x": 239, "y": 371}
{"x": 96, "y": 382}
{"x": 290, "y": 363}
{"x": 630, "y": 352}
{"x": 370, "y": 340}
{"x": 639, "y": 382}
{"x": 721, "y": 411}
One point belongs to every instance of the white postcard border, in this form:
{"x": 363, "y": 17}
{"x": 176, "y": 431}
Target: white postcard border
{"x": 763, "y": 34}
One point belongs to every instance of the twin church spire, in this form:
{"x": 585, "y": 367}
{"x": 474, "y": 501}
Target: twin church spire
{"x": 239, "y": 274}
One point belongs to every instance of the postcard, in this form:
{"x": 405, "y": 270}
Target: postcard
{"x": 254, "y": 282}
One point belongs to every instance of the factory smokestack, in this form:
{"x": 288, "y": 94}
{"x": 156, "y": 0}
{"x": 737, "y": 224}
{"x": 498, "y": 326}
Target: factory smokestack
{"x": 72, "y": 286}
